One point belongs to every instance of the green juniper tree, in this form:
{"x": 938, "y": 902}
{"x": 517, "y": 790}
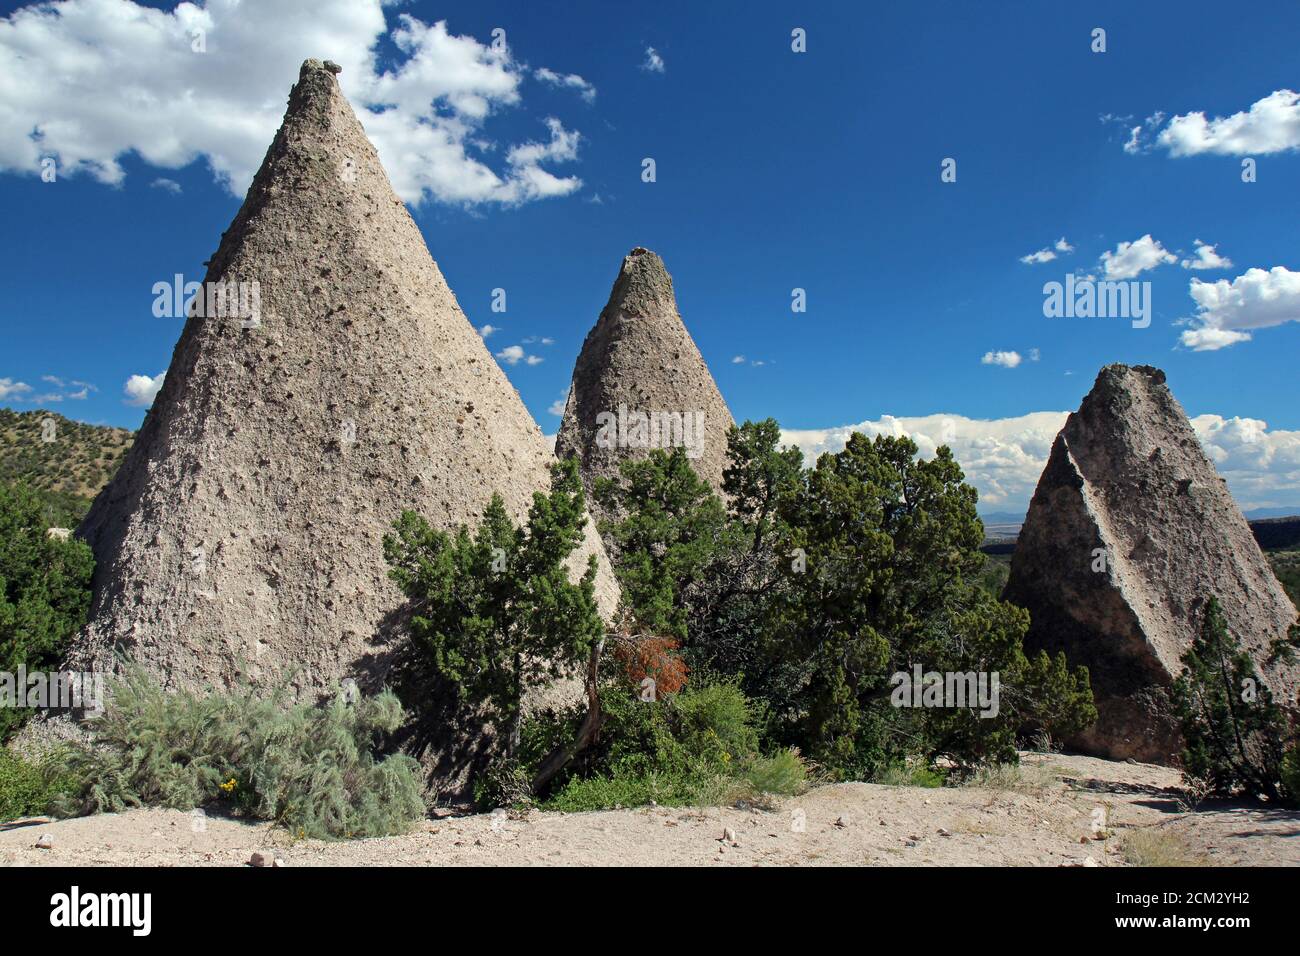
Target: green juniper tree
{"x": 44, "y": 590}
{"x": 494, "y": 611}
{"x": 672, "y": 523}
{"x": 891, "y": 584}
{"x": 1234, "y": 734}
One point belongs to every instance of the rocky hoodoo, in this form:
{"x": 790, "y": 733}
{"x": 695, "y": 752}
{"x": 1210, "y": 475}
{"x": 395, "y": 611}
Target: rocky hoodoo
{"x": 1129, "y": 533}
{"x": 242, "y": 537}
{"x": 640, "y": 383}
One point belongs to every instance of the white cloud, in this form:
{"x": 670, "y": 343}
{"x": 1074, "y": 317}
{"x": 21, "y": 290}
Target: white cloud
{"x": 1262, "y": 467}
{"x": 534, "y": 360}
{"x": 653, "y": 62}
{"x": 1133, "y": 258}
{"x": 1255, "y": 300}
{"x": 1034, "y": 355}
{"x": 487, "y": 330}
{"x": 169, "y": 185}
{"x": 511, "y": 354}
{"x": 89, "y": 81}
{"x": 10, "y": 388}
{"x": 1004, "y": 458}
{"x": 1206, "y": 258}
{"x": 1034, "y": 258}
{"x": 572, "y": 80}
{"x": 1047, "y": 254}
{"x": 1271, "y": 125}
{"x": 738, "y": 360}
{"x": 557, "y": 407}
{"x": 140, "y": 390}
{"x": 1004, "y": 359}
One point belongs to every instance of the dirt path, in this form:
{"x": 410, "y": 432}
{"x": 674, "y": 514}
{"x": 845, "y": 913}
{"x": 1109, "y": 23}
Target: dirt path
{"x": 1065, "y": 811}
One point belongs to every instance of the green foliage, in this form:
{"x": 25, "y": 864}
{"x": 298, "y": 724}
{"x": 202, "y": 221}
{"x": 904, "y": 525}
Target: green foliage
{"x": 890, "y": 586}
{"x": 699, "y": 746}
{"x": 44, "y": 591}
{"x": 311, "y": 769}
{"x": 27, "y": 789}
{"x": 1290, "y": 773}
{"x": 819, "y": 585}
{"x": 494, "y": 613}
{"x": 909, "y": 774}
{"x": 671, "y": 524}
{"x": 1054, "y": 701}
{"x": 1233, "y": 732}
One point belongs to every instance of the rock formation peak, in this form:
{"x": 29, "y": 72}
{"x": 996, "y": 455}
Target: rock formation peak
{"x": 641, "y": 383}
{"x": 331, "y": 383}
{"x": 1129, "y": 533}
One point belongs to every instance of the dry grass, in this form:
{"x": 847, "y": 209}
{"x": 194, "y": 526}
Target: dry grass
{"x": 1014, "y": 778}
{"x": 1153, "y": 846}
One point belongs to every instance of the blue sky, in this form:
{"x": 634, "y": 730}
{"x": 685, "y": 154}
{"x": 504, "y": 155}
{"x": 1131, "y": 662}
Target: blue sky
{"x": 775, "y": 170}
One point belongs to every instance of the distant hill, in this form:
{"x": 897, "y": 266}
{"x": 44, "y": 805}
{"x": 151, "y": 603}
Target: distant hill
{"x": 70, "y": 468}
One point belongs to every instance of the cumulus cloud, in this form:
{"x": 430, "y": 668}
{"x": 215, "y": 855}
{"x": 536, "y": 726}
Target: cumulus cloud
{"x": 1133, "y": 258}
{"x": 140, "y": 390}
{"x": 653, "y": 62}
{"x": 167, "y": 185}
{"x": 1034, "y": 258}
{"x": 1003, "y": 458}
{"x": 557, "y": 407}
{"x": 1262, "y": 467}
{"x": 9, "y": 388}
{"x": 570, "y": 80}
{"x": 1206, "y": 258}
{"x": 487, "y": 330}
{"x": 1004, "y": 359}
{"x": 88, "y": 81}
{"x": 1047, "y": 254}
{"x": 1270, "y": 125}
{"x": 514, "y": 354}
{"x": 1227, "y": 310}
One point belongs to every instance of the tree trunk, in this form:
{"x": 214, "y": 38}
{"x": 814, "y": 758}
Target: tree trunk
{"x": 560, "y": 757}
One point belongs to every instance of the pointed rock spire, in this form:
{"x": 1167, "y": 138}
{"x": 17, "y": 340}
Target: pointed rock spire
{"x": 1130, "y": 531}
{"x": 641, "y": 383}
{"x": 332, "y": 385}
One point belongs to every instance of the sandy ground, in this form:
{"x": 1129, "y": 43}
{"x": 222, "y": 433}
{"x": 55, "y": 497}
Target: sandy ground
{"x": 1066, "y": 811}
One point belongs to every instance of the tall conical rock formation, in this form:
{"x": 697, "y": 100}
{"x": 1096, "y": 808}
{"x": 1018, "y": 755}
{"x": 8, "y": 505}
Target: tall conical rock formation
{"x": 641, "y": 383}
{"x": 1130, "y": 531}
{"x": 242, "y": 537}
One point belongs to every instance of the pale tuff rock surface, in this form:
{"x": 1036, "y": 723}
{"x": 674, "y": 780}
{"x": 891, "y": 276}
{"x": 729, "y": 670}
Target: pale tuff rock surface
{"x": 641, "y": 383}
{"x": 241, "y": 538}
{"x": 1129, "y": 532}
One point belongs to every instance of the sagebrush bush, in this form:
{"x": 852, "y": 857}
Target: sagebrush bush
{"x": 309, "y": 768}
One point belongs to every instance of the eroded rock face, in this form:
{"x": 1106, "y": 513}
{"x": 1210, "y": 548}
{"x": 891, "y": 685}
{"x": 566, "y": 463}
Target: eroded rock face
{"x": 1129, "y": 533}
{"x": 241, "y": 538}
{"x": 641, "y": 383}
